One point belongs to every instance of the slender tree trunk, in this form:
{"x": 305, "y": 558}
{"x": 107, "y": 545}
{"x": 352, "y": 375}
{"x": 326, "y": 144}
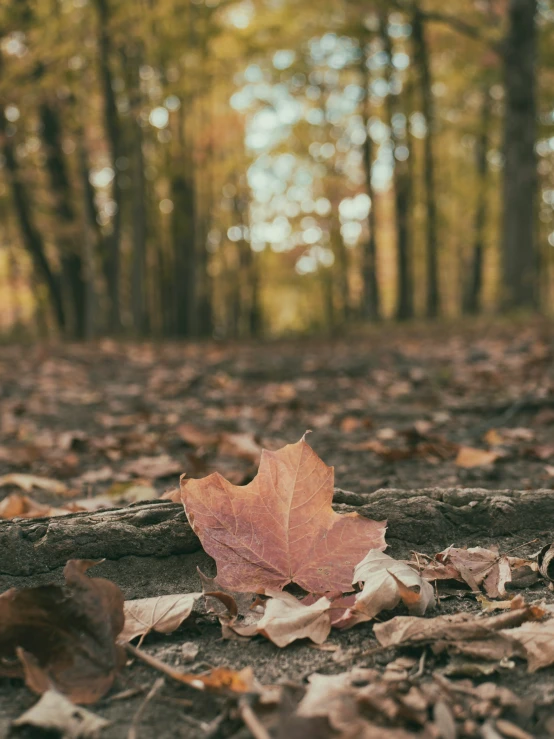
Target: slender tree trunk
{"x": 93, "y": 245}
{"x": 138, "y": 201}
{"x": 184, "y": 247}
{"x": 112, "y": 257}
{"x": 370, "y": 297}
{"x": 401, "y": 186}
{"x": 519, "y": 251}
{"x": 30, "y": 235}
{"x": 474, "y": 282}
{"x": 68, "y": 236}
{"x": 421, "y": 61}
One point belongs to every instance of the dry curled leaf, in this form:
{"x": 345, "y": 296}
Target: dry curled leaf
{"x": 22, "y": 506}
{"x": 63, "y": 637}
{"x": 475, "y": 566}
{"x": 280, "y": 528}
{"x": 28, "y": 482}
{"x": 287, "y": 619}
{"x": 386, "y": 583}
{"x": 163, "y": 614}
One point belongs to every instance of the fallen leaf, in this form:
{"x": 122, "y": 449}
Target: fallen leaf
{"x": 536, "y": 641}
{"x": 163, "y": 614}
{"x": 280, "y": 528}
{"x": 28, "y": 482}
{"x": 22, "y": 506}
{"x": 287, "y": 619}
{"x": 545, "y": 562}
{"x": 476, "y": 566}
{"x": 131, "y": 492}
{"x": 469, "y": 457}
{"x": 153, "y": 467}
{"x": 244, "y": 446}
{"x": 386, "y": 583}
{"x": 69, "y": 631}
{"x": 56, "y": 713}
{"x": 103, "y": 474}
{"x": 195, "y": 436}
{"x": 451, "y": 628}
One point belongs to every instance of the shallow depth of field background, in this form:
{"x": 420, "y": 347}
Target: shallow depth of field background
{"x": 222, "y": 168}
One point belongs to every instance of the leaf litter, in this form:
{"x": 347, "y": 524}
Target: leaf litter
{"x": 447, "y": 706}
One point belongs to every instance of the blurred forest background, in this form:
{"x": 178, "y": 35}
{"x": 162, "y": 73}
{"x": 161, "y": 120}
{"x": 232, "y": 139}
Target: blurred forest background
{"x": 234, "y": 168}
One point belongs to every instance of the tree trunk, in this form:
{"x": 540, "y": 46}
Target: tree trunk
{"x": 421, "y": 61}
{"x": 519, "y": 253}
{"x": 112, "y": 257}
{"x": 139, "y": 205}
{"x": 68, "y": 236}
{"x": 31, "y": 237}
{"x": 370, "y": 298}
{"x": 401, "y": 186}
{"x": 184, "y": 246}
{"x": 474, "y": 283}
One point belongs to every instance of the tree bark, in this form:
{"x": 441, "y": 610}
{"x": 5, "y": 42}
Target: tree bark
{"x": 30, "y": 235}
{"x": 370, "y": 298}
{"x": 416, "y": 519}
{"x": 474, "y": 283}
{"x": 68, "y": 233}
{"x": 401, "y": 186}
{"x": 421, "y": 61}
{"x": 519, "y": 251}
{"x": 112, "y": 257}
{"x": 184, "y": 246}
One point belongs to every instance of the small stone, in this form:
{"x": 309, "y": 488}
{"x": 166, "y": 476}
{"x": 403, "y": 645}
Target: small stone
{"x": 189, "y": 651}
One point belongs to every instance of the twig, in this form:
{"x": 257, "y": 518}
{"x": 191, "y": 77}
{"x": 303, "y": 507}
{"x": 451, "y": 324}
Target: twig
{"x": 156, "y": 687}
{"x": 251, "y": 721}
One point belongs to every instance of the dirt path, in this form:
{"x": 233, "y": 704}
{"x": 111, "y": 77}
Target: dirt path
{"x": 388, "y": 410}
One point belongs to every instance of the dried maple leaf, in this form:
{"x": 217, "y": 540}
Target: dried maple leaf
{"x": 280, "y": 528}
{"x": 163, "y": 614}
{"x": 64, "y": 636}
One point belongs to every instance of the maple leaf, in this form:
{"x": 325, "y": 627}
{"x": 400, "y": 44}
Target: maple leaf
{"x": 64, "y": 637}
{"x": 163, "y": 614}
{"x": 280, "y": 528}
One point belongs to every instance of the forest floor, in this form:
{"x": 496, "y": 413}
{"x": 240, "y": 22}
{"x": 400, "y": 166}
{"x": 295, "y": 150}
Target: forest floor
{"x": 114, "y": 423}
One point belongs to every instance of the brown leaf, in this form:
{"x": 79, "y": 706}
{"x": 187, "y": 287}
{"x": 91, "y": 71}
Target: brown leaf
{"x": 28, "y": 482}
{"x": 153, "y": 467}
{"x": 386, "y": 583}
{"x": 68, "y": 631}
{"x": 22, "y": 506}
{"x": 536, "y": 641}
{"x": 163, "y": 614}
{"x": 476, "y": 566}
{"x": 287, "y": 619}
{"x": 469, "y": 457}
{"x": 280, "y": 528}
{"x": 195, "y": 436}
{"x": 454, "y": 628}
{"x": 243, "y": 446}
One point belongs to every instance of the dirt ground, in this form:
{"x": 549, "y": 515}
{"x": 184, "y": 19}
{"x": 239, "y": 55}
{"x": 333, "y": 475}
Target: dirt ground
{"x": 388, "y": 408}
